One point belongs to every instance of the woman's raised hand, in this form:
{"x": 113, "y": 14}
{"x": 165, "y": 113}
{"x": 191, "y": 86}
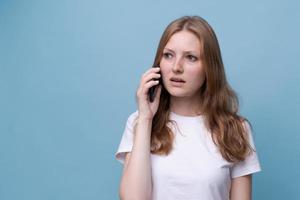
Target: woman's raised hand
{"x": 146, "y": 108}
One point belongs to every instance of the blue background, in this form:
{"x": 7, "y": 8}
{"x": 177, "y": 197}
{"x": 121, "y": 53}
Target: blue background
{"x": 69, "y": 71}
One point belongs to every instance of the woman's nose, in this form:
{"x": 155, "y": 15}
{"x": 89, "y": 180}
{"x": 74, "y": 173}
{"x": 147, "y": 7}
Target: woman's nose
{"x": 177, "y": 66}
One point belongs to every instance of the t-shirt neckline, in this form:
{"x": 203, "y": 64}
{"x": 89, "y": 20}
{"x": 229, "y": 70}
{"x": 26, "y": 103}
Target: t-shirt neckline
{"x": 185, "y": 117}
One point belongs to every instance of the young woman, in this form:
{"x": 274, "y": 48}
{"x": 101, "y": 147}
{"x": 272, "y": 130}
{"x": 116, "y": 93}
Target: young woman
{"x": 190, "y": 143}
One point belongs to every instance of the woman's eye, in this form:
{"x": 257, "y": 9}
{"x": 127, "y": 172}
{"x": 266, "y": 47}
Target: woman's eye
{"x": 192, "y": 58}
{"x": 167, "y": 55}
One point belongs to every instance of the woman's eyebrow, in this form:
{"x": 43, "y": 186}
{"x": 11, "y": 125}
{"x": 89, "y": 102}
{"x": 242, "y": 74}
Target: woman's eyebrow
{"x": 183, "y": 51}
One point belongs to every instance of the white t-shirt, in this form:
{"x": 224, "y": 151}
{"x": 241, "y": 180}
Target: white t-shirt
{"x": 195, "y": 169}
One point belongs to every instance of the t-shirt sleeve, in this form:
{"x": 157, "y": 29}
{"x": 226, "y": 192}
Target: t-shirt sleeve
{"x": 251, "y": 164}
{"x": 127, "y": 138}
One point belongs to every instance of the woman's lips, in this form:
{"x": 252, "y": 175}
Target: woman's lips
{"x": 177, "y": 79}
{"x": 177, "y": 83}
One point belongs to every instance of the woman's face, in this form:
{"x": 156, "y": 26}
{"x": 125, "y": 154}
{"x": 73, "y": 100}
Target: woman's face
{"x": 181, "y": 59}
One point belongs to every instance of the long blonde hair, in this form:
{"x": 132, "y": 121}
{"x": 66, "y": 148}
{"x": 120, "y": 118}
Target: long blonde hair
{"x": 219, "y": 102}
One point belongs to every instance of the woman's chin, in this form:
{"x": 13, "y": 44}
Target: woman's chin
{"x": 177, "y": 93}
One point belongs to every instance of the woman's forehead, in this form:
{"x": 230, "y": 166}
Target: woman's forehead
{"x": 183, "y": 41}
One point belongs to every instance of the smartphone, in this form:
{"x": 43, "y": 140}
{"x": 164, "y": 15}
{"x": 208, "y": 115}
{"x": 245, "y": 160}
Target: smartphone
{"x": 151, "y": 92}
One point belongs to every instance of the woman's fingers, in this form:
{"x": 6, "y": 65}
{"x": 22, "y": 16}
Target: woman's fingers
{"x": 152, "y": 69}
{"x": 145, "y": 87}
{"x": 149, "y": 76}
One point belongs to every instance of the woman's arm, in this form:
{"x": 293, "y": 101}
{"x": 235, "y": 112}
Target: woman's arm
{"x": 136, "y": 182}
{"x": 241, "y": 188}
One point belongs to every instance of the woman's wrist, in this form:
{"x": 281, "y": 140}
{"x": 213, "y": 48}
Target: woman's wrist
{"x": 142, "y": 118}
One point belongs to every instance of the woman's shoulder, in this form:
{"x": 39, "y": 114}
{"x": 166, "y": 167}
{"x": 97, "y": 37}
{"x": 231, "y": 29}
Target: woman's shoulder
{"x": 246, "y": 123}
{"x": 134, "y": 114}
{"x": 132, "y": 117}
